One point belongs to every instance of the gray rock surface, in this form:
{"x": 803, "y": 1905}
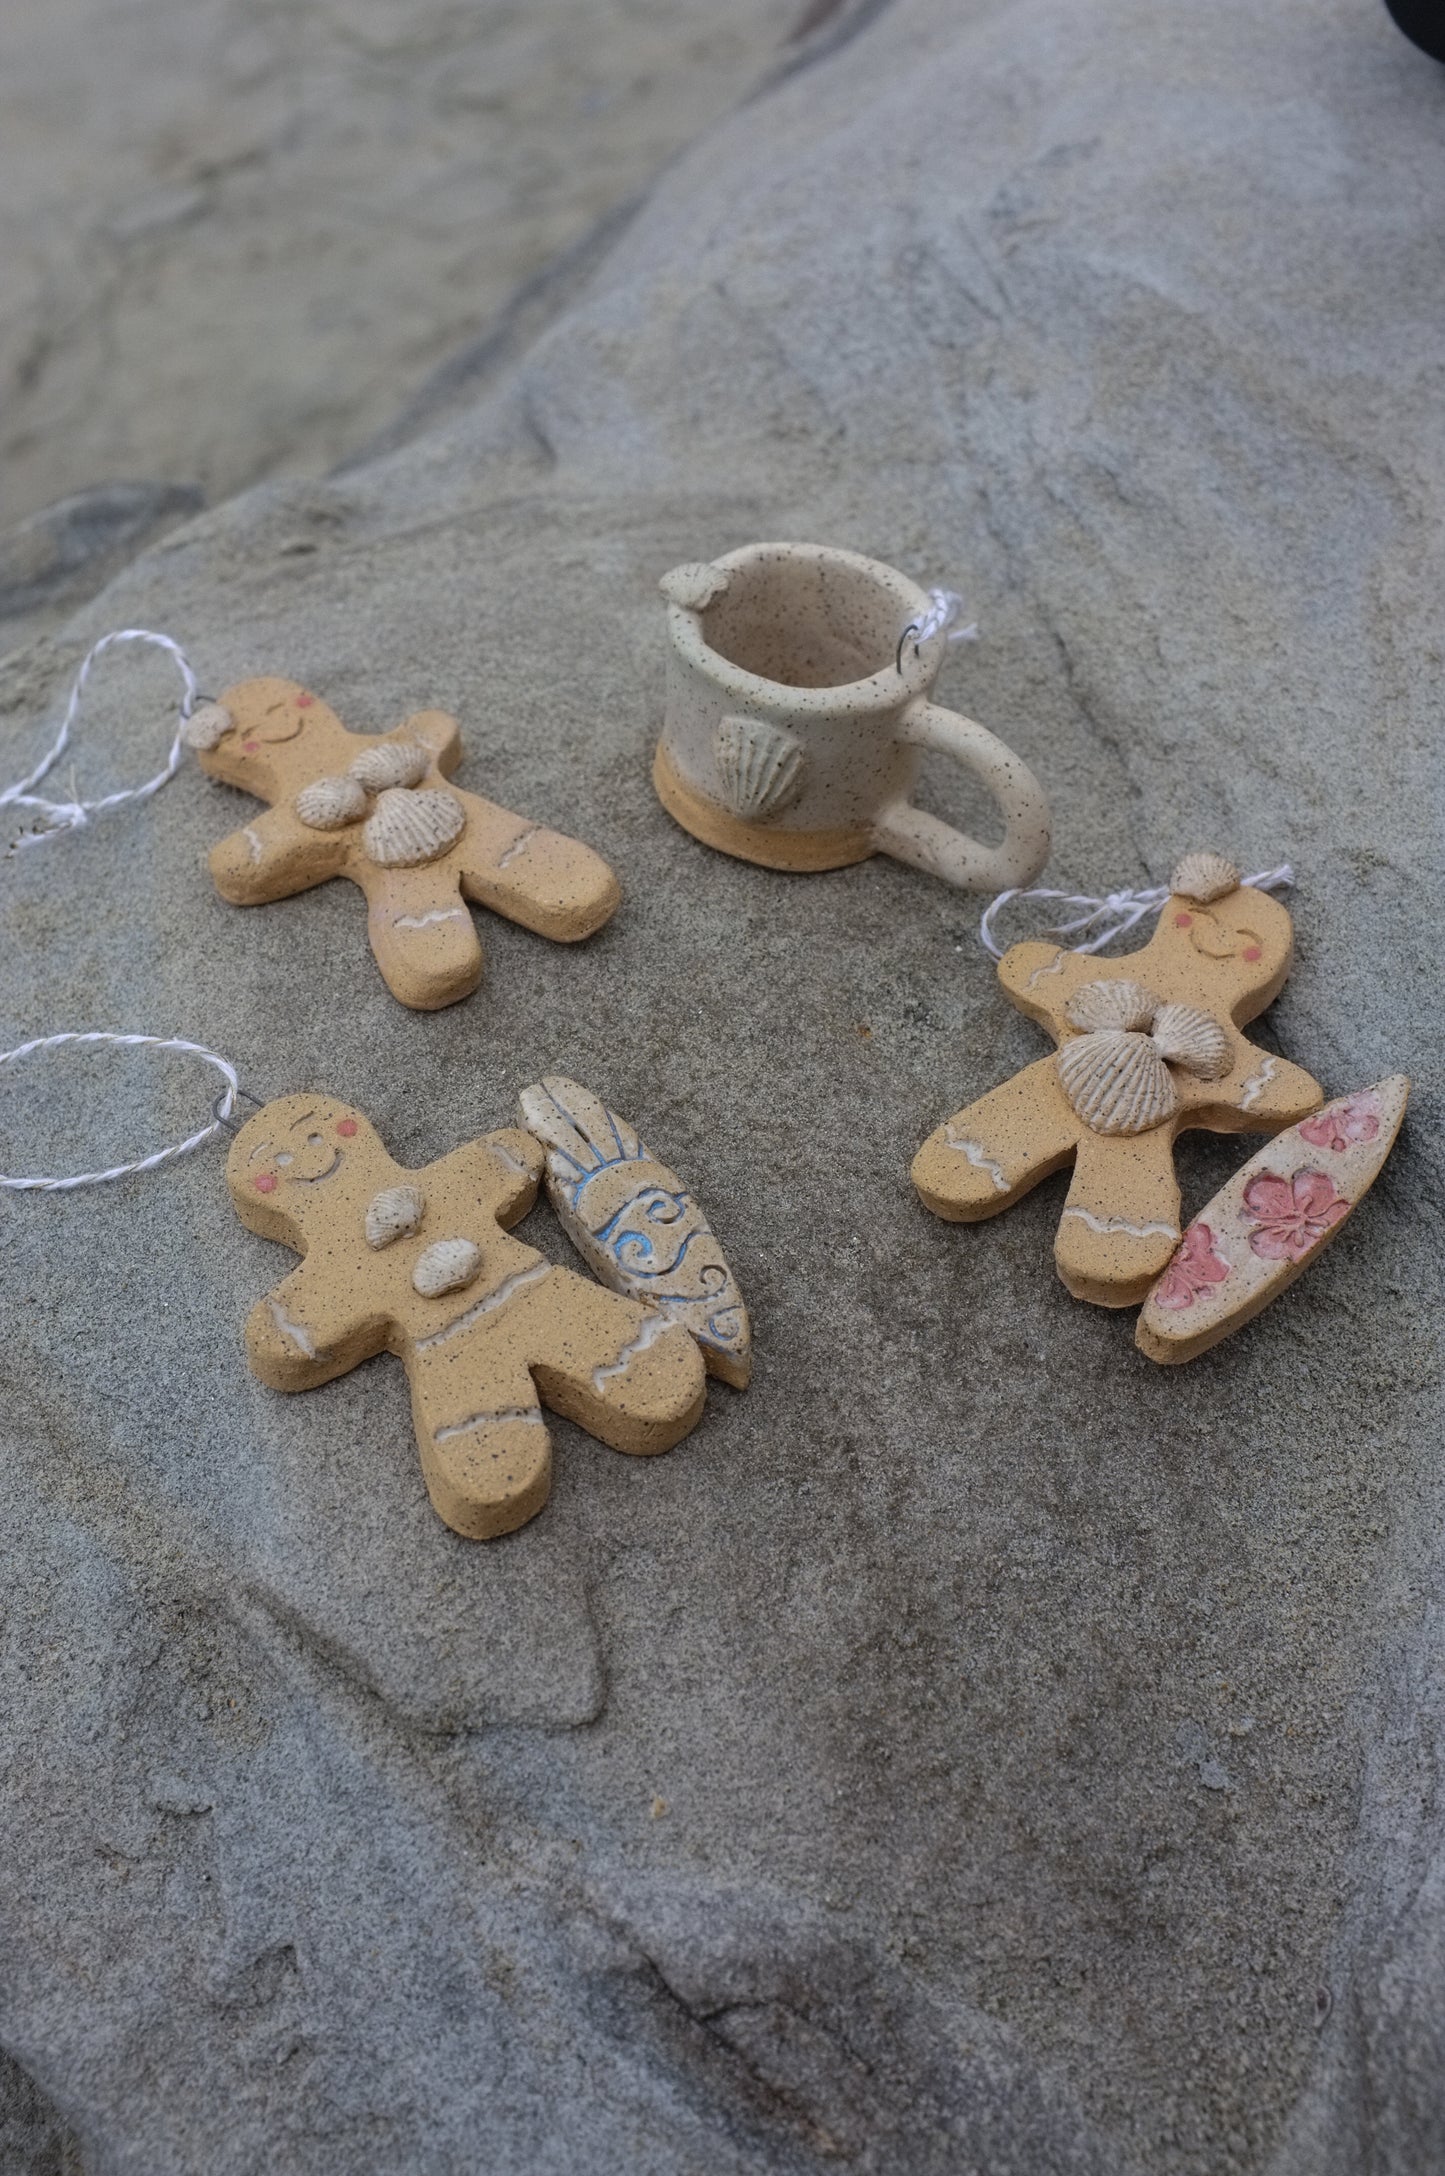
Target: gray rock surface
{"x": 973, "y": 1749}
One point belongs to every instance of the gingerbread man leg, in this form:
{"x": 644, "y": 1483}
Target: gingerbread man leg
{"x": 629, "y": 1375}
{"x": 422, "y": 935}
{"x": 984, "y": 1158}
{"x": 1121, "y": 1221}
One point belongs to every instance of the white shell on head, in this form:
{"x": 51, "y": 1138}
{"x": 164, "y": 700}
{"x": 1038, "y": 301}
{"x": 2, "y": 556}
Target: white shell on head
{"x": 329, "y": 804}
{"x": 761, "y": 768}
{"x": 394, "y": 1213}
{"x": 1185, "y": 1036}
{"x": 1115, "y": 1003}
{"x": 406, "y": 827}
{"x": 390, "y": 763}
{"x": 446, "y": 1266}
{"x": 1203, "y": 877}
{"x": 694, "y": 585}
{"x": 1116, "y": 1081}
{"x": 207, "y": 724}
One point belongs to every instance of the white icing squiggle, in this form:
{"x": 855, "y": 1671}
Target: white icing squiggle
{"x": 253, "y": 842}
{"x": 529, "y": 1413}
{"x": 1055, "y": 967}
{"x": 509, "y": 1287}
{"x": 979, "y": 1157}
{"x": 656, "y": 1326}
{"x": 1255, "y": 1086}
{"x": 299, "y": 1335}
{"x": 1109, "y": 1224}
{"x": 424, "y": 921}
{"x": 518, "y": 846}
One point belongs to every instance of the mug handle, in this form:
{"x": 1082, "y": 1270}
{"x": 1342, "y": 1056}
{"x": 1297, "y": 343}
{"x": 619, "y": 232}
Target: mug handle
{"x": 910, "y": 834}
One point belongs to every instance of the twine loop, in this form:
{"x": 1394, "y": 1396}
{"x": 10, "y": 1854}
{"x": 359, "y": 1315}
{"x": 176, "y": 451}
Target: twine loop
{"x": 227, "y": 1099}
{"x": 75, "y": 814}
{"x": 944, "y": 608}
{"x": 1113, "y": 916}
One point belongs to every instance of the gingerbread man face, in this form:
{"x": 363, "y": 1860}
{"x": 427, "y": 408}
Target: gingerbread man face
{"x": 1147, "y": 1045}
{"x": 422, "y": 1264}
{"x": 380, "y": 811}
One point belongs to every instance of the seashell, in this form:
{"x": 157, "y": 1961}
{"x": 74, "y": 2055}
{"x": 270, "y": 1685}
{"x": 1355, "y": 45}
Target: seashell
{"x": 394, "y": 1213}
{"x": 694, "y": 586}
{"x": 761, "y": 768}
{"x": 329, "y": 804}
{"x": 1203, "y": 876}
{"x": 1116, "y": 1003}
{"x": 446, "y": 1266}
{"x": 390, "y": 763}
{"x": 407, "y": 827}
{"x": 1185, "y": 1036}
{"x": 1116, "y": 1081}
{"x": 207, "y": 724}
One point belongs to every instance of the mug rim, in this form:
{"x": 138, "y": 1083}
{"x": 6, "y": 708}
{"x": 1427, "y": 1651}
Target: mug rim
{"x": 882, "y": 690}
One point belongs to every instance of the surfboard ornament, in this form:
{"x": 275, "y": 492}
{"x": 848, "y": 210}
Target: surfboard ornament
{"x": 1271, "y": 1222}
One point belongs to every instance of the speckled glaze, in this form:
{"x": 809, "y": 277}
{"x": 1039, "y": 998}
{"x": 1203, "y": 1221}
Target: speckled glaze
{"x": 797, "y": 715}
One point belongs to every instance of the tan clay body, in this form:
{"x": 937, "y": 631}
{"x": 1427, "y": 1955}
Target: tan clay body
{"x": 483, "y": 1356}
{"x": 1271, "y": 1222}
{"x": 284, "y": 745}
{"x": 798, "y": 710}
{"x": 1226, "y": 959}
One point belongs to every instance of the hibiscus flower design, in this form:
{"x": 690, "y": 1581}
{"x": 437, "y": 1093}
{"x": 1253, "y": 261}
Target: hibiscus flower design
{"x": 1291, "y": 1216}
{"x": 1356, "y": 1118}
{"x": 1194, "y": 1268}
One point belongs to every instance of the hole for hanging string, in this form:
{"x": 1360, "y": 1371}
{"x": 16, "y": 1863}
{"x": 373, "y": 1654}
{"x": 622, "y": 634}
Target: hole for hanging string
{"x": 50, "y": 1107}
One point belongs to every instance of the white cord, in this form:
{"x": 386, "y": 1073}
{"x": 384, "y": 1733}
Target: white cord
{"x": 1116, "y": 915}
{"x": 72, "y": 815}
{"x": 145, "y": 1163}
{"x": 943, "y": 610}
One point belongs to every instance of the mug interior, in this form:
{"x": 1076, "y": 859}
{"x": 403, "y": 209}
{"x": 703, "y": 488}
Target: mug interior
{"x": 805, "y": 623}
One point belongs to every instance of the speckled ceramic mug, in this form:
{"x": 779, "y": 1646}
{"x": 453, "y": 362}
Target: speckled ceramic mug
{"x": 798, "y": 709}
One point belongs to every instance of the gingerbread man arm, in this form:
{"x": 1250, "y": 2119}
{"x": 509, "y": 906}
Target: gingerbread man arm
{"x": 985, "y": 1158}
{"x": 538, "y": 877}
{"x": 500, "y": 1173}
{"x": 273, "y": 857}
{"x": 1272, "y": 1094}
{"x": 301, "y": 1334}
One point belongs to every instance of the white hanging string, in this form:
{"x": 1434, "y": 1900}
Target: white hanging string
{"x": 943, "y": 609}
{"x": 223, "y": 1107}
{"x": 1106, "y": 918}
{"x": 72, "y": 815}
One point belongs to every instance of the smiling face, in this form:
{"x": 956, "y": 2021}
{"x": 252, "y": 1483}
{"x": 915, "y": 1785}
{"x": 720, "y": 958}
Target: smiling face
{"x": 281, "y": 736}
{"x": 298, "y": 1152}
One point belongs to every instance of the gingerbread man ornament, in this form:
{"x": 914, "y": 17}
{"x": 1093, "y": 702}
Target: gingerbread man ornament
{"x": 379, "y": 811}
{"x": 421, "y": 1263}
{"x": 1148, "y": 1045}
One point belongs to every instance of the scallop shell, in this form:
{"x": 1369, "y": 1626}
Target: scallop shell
{"x": 1115, "y": 1003}
{"x": 761, "y": 768}
{"x": 207, "y": 724}
{"x": 407, "y": 827}
{"x": 1185, "y": 1036}
{"x": 1117, "y": 1082}
{"x": 694, "y": 585}
{"x": 1203, "y": 877}
{"x": 394, "y": 1213}
{"x": 391, "y": 763}
{"x": 329, "y": 804}
{"x": 446, "y": 1266}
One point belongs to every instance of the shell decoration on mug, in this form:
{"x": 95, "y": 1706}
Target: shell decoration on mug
{"x": 381, "y": 811}
{"x": 1149, "y": 1044}
{"x": 798, "y": 709}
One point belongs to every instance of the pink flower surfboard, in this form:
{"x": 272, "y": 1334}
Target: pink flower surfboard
{"x": 1277, "y": 1215}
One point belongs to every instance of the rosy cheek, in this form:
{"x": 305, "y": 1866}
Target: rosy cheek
{"x": 252, "y": 747}
{"x": 304, "y": 702}
{"x": 1252, "y": 952}
{"x": 266, "y": 1184}
{"x": 1184, "y": 921}
{"x": 346, "y": 1127}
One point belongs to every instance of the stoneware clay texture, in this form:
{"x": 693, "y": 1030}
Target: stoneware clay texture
{"x": 1148, "y": 1045}
{"x": 797, "y": 713}
{"x": 635, "y": 1224}
{"x": 380, "y": 811}
{"x": 1274, "y": 1218}
{"x": 421, "y": 1264}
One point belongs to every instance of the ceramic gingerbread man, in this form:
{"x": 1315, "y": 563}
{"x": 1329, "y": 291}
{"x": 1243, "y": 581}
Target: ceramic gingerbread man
{"x": 1148, "y": 1045}
{"x": 421, "y": 1263}
{"x": 379, "y": 810}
